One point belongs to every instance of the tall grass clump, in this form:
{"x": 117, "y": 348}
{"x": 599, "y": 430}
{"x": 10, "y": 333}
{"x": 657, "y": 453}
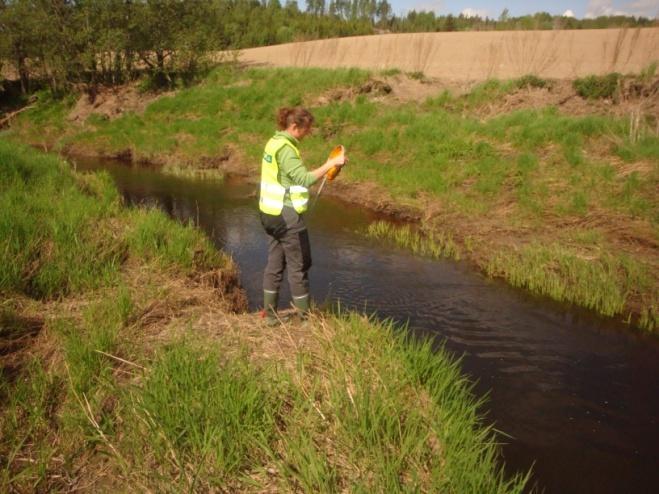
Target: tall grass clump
{"x": 26, "y": 417}
{"x": 155, "y": 237}
{"x": 598, "y": 86}
{"x": 87, "y": 343}
{"x": 61, "y": 233}
{"x": 532, "y": 81}
{"x": 384, "y": 414}
{"x": 487, "y": 91}
{"x": 205, "y": 414}
{"x": 603, "y": 283}
{"x": 431, "y": 244}
{"x": 53, "y": 236}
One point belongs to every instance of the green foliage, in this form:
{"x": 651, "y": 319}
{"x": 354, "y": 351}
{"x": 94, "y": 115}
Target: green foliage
{"x": 61, "y": 233}
{"x": 598, "y": 87}
{"x": 365, "y": 379}
{"x": 648, "y": 73}
{"x": 418, "y": 75}
{"x": 99, "y": 332}
{"x": 602, "y": 284}
{"x": 52, "y": 237}
{"x": 153, "y": 236}
{"x": 532, "y": 81}
{"x": 435, "y": 245}
{"x": 390, "y": 72}
{"x": 210, "y": 414}
{"x": 26, "y": 415}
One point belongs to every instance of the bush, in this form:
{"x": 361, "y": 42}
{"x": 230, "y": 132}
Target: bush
{"x": 417, "y": 75}
{"x": 597, "y": 87}
{"x": 531, "y": 80}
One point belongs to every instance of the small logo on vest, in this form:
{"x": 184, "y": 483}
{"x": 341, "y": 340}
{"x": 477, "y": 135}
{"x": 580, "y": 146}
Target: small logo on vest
{"x": 267, "y": 157}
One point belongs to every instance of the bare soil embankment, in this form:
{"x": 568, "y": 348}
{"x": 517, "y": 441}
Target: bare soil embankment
{"x": 469, "y": 56}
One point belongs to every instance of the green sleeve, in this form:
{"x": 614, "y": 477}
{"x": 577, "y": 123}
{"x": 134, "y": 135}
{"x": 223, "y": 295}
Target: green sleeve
{"x": 292, "y": 167}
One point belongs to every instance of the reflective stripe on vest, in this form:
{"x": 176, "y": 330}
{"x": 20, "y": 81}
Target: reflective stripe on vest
{"x": 272, "y": 192}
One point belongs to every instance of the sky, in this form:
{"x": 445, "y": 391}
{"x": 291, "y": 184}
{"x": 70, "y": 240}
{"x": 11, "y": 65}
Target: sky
{"x": 493, "y": 8}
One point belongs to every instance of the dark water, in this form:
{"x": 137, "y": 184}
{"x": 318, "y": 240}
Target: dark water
{"x": 578, "y": 395}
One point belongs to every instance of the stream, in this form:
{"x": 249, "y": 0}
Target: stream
{"x": 577, "y": 396}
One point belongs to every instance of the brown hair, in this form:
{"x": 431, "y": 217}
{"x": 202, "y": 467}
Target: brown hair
{"x": 298, "y": 115}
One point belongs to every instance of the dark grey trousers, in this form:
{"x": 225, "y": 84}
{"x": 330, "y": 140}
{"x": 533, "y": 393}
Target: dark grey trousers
{"x": 288, "y": 248}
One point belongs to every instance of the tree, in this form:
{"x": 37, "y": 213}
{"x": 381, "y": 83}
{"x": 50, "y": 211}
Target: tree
{"x": 383, "y": 12}
{"x": 449, "y": 23}
{"x": 316, "y": 7}
{"x": 20, "y": 29}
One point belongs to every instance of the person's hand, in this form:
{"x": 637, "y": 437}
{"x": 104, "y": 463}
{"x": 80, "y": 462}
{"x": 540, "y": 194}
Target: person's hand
{"x": 339, "y": 161}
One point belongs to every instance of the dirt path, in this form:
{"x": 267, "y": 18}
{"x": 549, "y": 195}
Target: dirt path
{"x": 468, "y": 56}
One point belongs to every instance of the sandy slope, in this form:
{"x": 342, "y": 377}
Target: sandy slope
{"x": 468, "y": 56}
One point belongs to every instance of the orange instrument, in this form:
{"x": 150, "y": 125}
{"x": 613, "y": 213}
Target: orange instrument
{"x": 335, "y": 153}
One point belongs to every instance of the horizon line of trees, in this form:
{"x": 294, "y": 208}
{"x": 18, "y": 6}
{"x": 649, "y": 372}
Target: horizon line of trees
{"x": 91, "y": 42}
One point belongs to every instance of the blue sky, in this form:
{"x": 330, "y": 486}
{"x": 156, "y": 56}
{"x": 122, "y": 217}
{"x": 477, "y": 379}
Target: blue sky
{"x": 580, "y": 8}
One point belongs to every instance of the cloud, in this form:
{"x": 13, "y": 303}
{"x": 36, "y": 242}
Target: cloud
{"x": 469, "y": 12}
{"x": 597, "y": 8}
{"x": 644, "y": 8}
{"x": 568, "y": 13}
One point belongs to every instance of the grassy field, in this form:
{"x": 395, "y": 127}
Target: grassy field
{"x": 497, "y": 183}
{"x": 123, "y": 367}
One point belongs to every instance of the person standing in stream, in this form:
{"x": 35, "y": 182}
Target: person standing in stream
{"x": 283, "y": 200}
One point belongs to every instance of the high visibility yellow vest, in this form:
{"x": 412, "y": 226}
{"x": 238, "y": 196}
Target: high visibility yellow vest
{"x": 272, "y": 192}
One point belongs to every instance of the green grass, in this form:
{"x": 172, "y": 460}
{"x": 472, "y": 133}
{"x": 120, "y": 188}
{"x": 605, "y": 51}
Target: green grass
{"x": 61, "y": 233}
{"x": 525, "y": 169}
{"x": 26, "y": 415}
{"x": 200, "y": 121}
{"x": 396, "y": 414}
{"x": 53, "y": 236}
{"x": 390, "y": 72}
{"x": 532, "y": 81}
{"x": 440, "y": 148}
{"x": 151, "y": 236}
{"x": 598, "y": 86}
{"x": 208, "y": 416}
{"x": 431, "y": 244}
{"x": 599, "y": 282}
{"x": 360, "y": 408}
{"x": 103, "y": 398}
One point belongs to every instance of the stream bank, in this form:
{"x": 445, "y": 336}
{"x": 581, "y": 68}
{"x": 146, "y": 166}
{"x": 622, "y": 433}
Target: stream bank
{"x": 123, "y": 364}
{"x": 559, "y": 204}
{"x": 574, "y": 393}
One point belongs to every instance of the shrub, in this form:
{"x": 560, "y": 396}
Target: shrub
{"x": 418, "y": 75}
{"x": 531, "y": 80}
{"x": 597, "y": 87}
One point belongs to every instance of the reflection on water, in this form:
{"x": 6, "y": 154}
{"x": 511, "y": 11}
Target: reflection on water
{"x": 578, "y": 396}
